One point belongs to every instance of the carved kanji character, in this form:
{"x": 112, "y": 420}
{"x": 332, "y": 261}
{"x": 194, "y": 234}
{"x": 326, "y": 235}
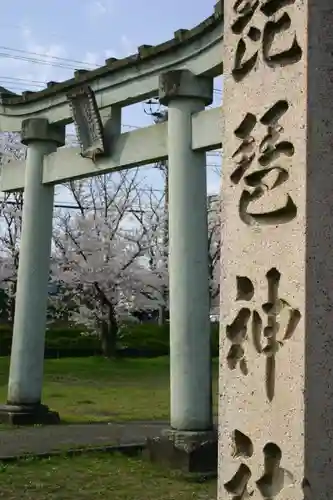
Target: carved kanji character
{"x": 237, "y": 334}
{"x": 269, "y": 150}
{"x": 274, "y": 337}
{"x": 268, "y": 339}
{"x": 254, "y": 39}
{"x": 238, "y": 484}
{"x": 273, "y": 480}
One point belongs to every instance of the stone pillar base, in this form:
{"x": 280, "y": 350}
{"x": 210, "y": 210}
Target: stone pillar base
{"x": 28, "y": 415}
{"x": 188, "y": 451}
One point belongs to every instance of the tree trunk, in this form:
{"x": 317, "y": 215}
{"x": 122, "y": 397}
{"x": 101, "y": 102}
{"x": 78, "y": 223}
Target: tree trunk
{"x": 162, "y": 315}
{"x": 12, "y": 302}
{"x": 163, "y": 308}
{"x": 109, "y": 335}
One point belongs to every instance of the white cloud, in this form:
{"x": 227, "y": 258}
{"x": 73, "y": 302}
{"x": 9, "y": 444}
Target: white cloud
{"x": 125, "y": 48}
{"x": 93, "y": 59}
{"x": 29, "y": 64}
{"x": 99, "y": 8}
{"x": 26, "y": 32}
{"x": 127, "y": 45}
{"x": 36, "y": 64}
{"x": 110, "y": 53}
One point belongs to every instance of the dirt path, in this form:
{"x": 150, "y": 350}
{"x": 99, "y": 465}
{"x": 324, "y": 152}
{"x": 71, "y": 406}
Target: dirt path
{"x": 15, "y": 442}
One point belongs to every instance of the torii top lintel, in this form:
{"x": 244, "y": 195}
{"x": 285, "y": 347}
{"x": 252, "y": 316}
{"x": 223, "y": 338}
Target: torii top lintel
{"x": 198, "y": 49}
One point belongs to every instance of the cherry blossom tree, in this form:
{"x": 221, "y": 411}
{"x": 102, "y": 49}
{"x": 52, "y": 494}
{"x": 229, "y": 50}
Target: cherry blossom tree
{"x": 111, "y": 255}
{"x": 159, "y": 115}
{"x": 11, "y": 223}
{"x": 101, "y": 254}
{"x": 158, "y": 251}
{"x": 214, "y": 248}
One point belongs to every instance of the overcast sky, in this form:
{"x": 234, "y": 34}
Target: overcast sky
{"x": 34, "y": 33}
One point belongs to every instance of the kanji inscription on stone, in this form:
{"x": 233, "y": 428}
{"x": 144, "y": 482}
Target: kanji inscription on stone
{"x": 267, "y": 160}
{"x": 267, "y": 340}
{"x": 276, "y": 345}
{"x": 257, "y": 25}
{"x": 273, "y": 479}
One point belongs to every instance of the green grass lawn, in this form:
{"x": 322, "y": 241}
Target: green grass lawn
{"x": 97, "y": 476}
{"x": 97, "y": 390}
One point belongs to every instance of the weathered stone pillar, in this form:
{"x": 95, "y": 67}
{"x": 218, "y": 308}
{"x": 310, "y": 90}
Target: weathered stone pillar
{"x": 27, "y": 357}
{"x": 190, "y": 355}
{"x": 276, "y": 376}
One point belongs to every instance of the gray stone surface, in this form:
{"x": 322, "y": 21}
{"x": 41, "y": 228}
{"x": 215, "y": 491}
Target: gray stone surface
{"x": 276, "y": 379}
{"x": 191, "y": 452}
{"x": 190, "y": 349}
{"x": 27, "y": 353}
{"x": 182, "y": 83}
{"x": 28, "y": 415}
{"x": 47, "y": 439}
{"x": 40, "y": 129}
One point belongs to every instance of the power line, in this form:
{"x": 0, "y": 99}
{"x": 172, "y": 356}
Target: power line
{"x": 51, "y": 63}
{"x": 37, "y": 61}
{"x": 63, "y": 204}
{"x": 21, "y": 51}
{"x": 56, "y": 205}
{"x": 22, "y": 81}
{"x": 77, "y": 207}
{"x": 20, "y": 88}
{"x": 73, "y": 136}
{"x": 15, "y": 78}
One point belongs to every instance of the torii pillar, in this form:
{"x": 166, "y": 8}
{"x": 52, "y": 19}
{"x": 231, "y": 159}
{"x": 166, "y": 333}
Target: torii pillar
{"x": 27, "y": 355}
{"x": 191, "y": 442}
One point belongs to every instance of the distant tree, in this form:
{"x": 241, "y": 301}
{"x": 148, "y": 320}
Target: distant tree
{"x": 100, "y": 255}
{"x": 11, "y": 223}
{"x": 214, "y": 246}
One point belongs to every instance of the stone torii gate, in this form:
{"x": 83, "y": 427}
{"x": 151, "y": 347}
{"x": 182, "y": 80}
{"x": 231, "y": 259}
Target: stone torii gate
{"x": 181, "y": 71}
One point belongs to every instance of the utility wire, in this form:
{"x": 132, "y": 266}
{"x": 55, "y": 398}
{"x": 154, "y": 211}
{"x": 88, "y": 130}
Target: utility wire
{"x": 66, "y": 60}
{"x": 77, "y": 207}
{"x": 73, "y": 137}
{"x": 41, "y": 83}
{"x": 38, "y": 61}
{"x": 64, "y": 204}
{"x": 54, "y": 64}
{"x": 16, "y": 79}
{"x": 57, "y": 58}
{"x": 20, "y": 88}
{"x": 56, "y": 205}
